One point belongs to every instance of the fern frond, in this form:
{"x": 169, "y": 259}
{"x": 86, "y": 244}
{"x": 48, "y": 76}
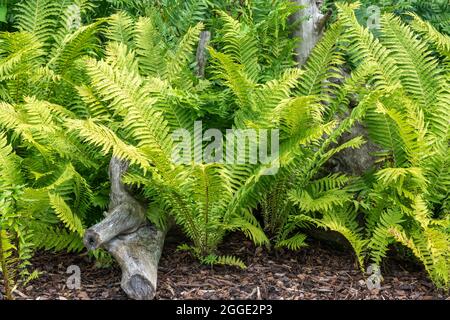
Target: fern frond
{"x": 439, "y": 40}
{"x": 431, "y": 247}
{"x": 419, "y": 71}
{"x": 178, "y": 60}
{"x": 121, "y": 28}
{"x": 235, "y": 78}
{"x": 73, "y": 46}
{"x": 323, "y": 64}
{"x": 364, "y": 47}
{"x": 38, "y": 17}
{"x": 149, "y": 48}
{"x": 107, "y": 140}
{"x": 381, "y": 236}
{"x": 240, "y": 45}
{"x": 322, "y": 202}
{"x": 7, "y": 262}
{"x": 344, "y": 222}
{"x": 56, "y": 239}
{"x": 294, "y": 243}
{"x": 224, "y": 260}
{"x": 65, "y": 214}
{"x": 9, "y": 164}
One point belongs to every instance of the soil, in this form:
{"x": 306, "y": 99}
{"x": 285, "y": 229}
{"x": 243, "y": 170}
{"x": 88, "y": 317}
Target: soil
{"x": 316, "y": 272}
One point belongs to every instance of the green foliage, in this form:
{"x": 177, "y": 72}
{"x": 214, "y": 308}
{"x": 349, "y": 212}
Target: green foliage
{"x": 406, "y": 105}
{"x": 128, "y": 102}
{"x": 8, "y": 252}
{"x": 436, "y": 12}
{"x": 45, "y": 174}
{"x": 195, "y": 195}
{"x": 83, "y": 80}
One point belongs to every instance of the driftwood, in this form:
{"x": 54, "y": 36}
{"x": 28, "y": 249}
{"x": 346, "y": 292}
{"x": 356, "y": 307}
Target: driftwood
{"x": 128, "y": 236}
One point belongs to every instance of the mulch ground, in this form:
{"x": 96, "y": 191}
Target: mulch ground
{"x": 317, "y": 272}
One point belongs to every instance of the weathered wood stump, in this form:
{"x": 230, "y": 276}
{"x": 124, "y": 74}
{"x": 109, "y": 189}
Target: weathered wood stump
{"x": 310, "y": 30}
{"x": 128, "y": 236}
{"x": 201, "y": 57}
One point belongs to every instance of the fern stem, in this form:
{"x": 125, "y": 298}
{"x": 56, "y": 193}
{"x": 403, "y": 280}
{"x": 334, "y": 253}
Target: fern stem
{"x": 205, "y": 248}
{"x": 6, "y": 277}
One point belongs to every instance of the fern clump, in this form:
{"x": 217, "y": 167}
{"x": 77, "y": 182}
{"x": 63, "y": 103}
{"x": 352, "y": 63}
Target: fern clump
{"x": 405, "y": 95}
{"x": 44, "y": 173}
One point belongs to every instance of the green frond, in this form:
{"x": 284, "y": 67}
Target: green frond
{"x": 344, "y": 221}
{"x": 7, "y": 262}
{"x": 296, "y": 116}
{"x": 224, "y": 260}
{"x": 107, "y": 140}
{"x": 431, "y": 247}
{"x": 240, "y": 45}
{"x": 81, "y": 42}
{"x": 323, "y": 64}
{"x": 9, "y": 164}
{"x": 271, "y": 98}
{"x": 433, "y": 36}
{"x": 251, "y": 229}
{"x": 381, "y": 235}
{"x": 179, "y": 108}
{"x": 150, "y": 47}
{"x": 322, "y": 202}
{"x": 294, "y": 243}
{"x": 419, "y": 71}
{"x": 96, "y": 109}
{"x": 396, "y": 176}
{"x": 38, "y": 17}
{"x": 364, "y": 47}
{"x": 437, "y": 171}
{"x": 121, "y": 29}
{"x": 179, "y": 59}
{"x": 56, "y": 239}
{"x": 420, "y": 212}
{"x": 235, "y": 79}
{"x": 19, "y": 52}
{"x": 65, "y": 214}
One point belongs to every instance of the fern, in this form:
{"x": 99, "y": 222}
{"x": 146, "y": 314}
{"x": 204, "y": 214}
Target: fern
{"x": 224, "y": 260}
{"x": 65, "y": 214}
{"x": 56, "y": 239}
{"x": 440, "y": 41}
{"x": 45, "y": 172}
{"x": 7, "y": 263}
{"x": 72, "y": 97}
{"x": 401, "y": 92}
{"x": 295, "y": 242}
{"x": 37, "y": 17}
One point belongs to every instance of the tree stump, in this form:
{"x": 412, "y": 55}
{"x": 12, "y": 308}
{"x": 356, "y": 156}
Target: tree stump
{"x": 310, "y": 30}
{"x": 128, "y": 236}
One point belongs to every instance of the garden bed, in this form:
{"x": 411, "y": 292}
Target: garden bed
{"x": 317, "y": 272}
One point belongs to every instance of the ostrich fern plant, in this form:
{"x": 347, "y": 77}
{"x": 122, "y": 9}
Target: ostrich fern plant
{"x": 410, "y": 122}
{"x": 39, "y": 70}
{"x": 406, "y": 97}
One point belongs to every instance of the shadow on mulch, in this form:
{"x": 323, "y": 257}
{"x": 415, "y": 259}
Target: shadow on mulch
{"x": 316, "y": 272}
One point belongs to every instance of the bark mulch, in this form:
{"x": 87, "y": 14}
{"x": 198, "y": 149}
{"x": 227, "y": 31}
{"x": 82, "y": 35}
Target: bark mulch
{"x": 316, "y": 272}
